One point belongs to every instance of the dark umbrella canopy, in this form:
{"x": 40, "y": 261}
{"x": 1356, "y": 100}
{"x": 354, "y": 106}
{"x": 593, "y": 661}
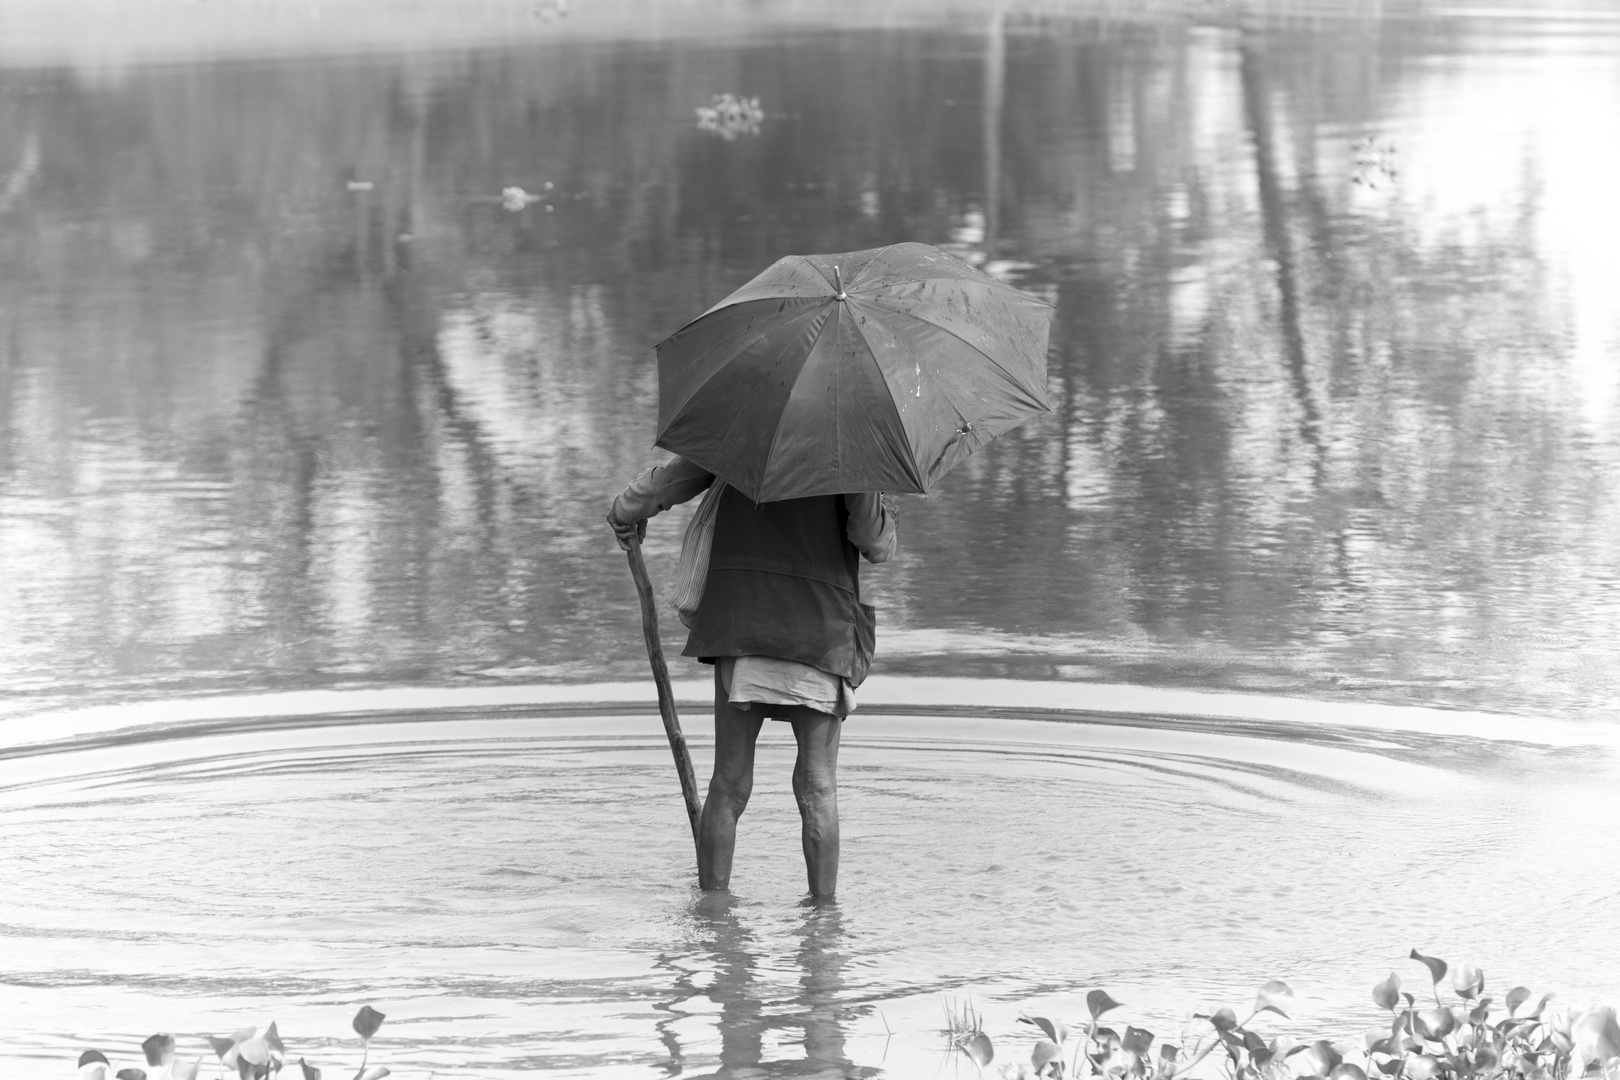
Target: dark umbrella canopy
{"x": 792, "y": 386}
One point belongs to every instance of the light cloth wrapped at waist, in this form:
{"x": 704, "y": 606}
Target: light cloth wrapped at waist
{"x": 767, "y": 681}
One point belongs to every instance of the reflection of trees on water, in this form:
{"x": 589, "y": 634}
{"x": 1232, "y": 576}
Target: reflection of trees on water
{"x": 757, "y": 1018}
{"x": 1292, "y": 420}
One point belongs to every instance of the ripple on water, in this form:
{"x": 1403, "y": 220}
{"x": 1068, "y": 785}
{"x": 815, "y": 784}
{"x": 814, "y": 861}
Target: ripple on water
{"x": 516, "y": 889}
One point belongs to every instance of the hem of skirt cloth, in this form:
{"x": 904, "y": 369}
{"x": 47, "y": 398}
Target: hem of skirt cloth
{"x": 840, "y": 708}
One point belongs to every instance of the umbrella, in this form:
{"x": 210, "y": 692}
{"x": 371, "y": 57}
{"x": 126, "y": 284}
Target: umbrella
{"x": 876, "y": 370}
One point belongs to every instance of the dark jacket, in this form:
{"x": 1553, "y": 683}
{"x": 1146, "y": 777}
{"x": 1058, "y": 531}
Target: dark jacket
{"x": 784, "y": 581}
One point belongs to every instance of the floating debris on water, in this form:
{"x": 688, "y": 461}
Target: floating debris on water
{"x": 515, "y": 198}
{"x": 360, "y": 185}
{"x": 729, "y": 116}
{"x": 1375, "y": 163}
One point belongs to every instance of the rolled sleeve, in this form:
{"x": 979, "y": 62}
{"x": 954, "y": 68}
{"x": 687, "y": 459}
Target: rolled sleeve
{"x": 871, "y": 526}
{"x": 659, "y": 488}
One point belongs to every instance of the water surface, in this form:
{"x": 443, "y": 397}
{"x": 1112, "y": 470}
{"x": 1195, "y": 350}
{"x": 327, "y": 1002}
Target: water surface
{"x": 288, "y": 398}
{"x": 291, "y": 400}
{"x": 510, "y": 878}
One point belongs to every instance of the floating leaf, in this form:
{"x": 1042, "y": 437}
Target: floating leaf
{"x": 1386, "y": 994}
{"x": 1596, "y": 1034}
{"x": 1516, "y": 997}
{"x": 1137, "y": 1040}
{"x": 1437, "y": 967}
{"x": 254, "y": 1051}
{"x": 159, "y": 1049}
{"x": 92, "y": 1055}
{"x": 1223, "y": 1020}
{"x": 1275, "y": 996}
{"x": 1321, "y": 1058}
{"x": 1422, "y": 1067}
{"x": 310, "y": 1071}
{"x": 367, "y": 1021}
{"x": 1435, "y": 1023}
{"x": 221, "y": 1046}
{"x": 1346, "y": 1071}
{"x": 95, "y": 1070}
{"x": 232, "y": 1055}
{"x": 183, "y": 1071}
{"x": 1284, "y": 1047}
{"x": 1045, "y": 1051}
{"x": 1056, "y": 1030}
{"x": 1481, "y": 1012}
{"x": 976, "y": 1046}
{"x": 1099, "y": 1002}
{"x": 1168, "y": 1052}
{"x": 1468, "y": 981}
{"x": 130, "y": 1074}
{"x": 272, "y": 1039}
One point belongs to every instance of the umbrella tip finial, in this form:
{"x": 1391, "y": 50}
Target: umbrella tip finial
{"x": 839, "y": 278}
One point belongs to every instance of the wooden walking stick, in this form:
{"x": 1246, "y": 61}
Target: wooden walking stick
{"x": 666, "y": 695}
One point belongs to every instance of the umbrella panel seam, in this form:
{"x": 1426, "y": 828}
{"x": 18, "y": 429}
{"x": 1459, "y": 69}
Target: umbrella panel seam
{"x": 997, "y": 364}
{"x": 776, "y": 435}
{"x": 912, "y": 470}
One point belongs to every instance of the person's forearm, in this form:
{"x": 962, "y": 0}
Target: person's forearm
{"x": 871, "y": 526}
{"x": 660, "y": 488}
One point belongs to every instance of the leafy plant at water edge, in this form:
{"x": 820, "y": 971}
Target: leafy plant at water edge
{"x": 965, "y": 1029}
{"x": 1446, "y": 1042}
{"x": 250, "y": 1053}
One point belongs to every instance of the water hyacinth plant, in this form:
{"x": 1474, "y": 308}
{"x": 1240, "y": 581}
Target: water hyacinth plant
{"x": 730, "y": 115}
{"x": 250, "y": 1053}
{"x": 1447, "y": 1042}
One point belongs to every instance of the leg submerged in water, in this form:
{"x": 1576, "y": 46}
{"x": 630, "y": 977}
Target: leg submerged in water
{"x": 735, "y": 732}
{"x": 815, "y": 786}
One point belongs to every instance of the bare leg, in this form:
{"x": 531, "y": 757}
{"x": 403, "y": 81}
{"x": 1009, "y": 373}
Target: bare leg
{"x": 735, "y": 731}
{"x": 815, "y": 786}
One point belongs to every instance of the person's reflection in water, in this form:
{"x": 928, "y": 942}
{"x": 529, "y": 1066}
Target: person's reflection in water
{"x": 821, "y": 975}
{"x": 732, "y": 952}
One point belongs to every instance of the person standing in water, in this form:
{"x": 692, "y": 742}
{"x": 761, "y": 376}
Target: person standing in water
{"x": 782, "y": 623}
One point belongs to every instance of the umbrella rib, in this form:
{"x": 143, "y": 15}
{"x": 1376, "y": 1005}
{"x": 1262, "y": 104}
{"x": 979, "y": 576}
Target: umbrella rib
{"x": 770, "y": 451}
{"x": 1040, "y": 396}
{"x": 985, "y": 280}
{"x": 746, "y": 344}
{"x": 911, "y": 464}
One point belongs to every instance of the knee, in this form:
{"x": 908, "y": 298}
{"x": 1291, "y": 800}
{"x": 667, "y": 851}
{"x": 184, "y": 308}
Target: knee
{"x": 816, "y": 791}
{"x": 730, "y": 793}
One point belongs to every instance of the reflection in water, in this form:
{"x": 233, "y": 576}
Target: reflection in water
{"x": 289, "y": 398}
{"x": 755, "y": 1033}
